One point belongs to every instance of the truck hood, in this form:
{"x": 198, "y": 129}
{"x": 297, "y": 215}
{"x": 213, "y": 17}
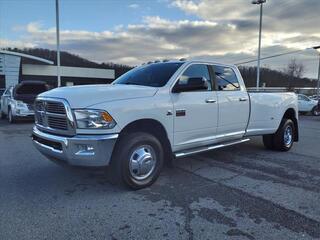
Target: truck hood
{"x": 88, "y": 95}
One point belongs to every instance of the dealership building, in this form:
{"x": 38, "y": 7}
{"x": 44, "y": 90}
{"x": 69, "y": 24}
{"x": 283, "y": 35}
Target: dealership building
{"x": 13, "y": 70}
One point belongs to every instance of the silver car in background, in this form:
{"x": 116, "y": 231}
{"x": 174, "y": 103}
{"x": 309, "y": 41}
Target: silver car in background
{"x": 18, "y": 101}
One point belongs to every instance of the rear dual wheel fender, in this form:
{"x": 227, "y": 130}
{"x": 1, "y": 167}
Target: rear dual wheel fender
{"x": 283, "y": 139}
{"x": 137, "y": 160}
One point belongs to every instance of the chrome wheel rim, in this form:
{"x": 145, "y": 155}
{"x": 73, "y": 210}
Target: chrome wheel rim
{"x": 142, "y": 162}
{"x": 317, "y": 112}
{"x": 288, "y": 136}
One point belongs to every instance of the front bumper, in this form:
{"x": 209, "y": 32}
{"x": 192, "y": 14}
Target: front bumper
{"x": 23, "y": 113}
{"x": 80, "y": 150}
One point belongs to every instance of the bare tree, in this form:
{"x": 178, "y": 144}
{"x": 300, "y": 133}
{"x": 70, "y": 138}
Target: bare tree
{"x": 295, "y": 69}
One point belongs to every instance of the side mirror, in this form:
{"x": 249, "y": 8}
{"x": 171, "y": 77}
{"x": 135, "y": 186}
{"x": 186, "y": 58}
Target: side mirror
{"x": 193, "y": 84}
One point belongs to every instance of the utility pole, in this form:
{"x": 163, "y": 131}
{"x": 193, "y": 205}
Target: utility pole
{"x": 58, "y": 43}
{"x": 318, "y": 84}
{"x": 317, "y": 48}
{"x": 259, "y": 2}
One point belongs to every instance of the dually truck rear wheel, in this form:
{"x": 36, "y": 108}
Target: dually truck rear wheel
{"x": 137, "y": 160}
{"x": 283, "y": 139}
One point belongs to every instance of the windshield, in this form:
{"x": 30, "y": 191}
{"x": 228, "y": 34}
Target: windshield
{"x": 153, "y": 75}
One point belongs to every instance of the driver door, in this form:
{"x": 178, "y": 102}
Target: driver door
{"x": 195, "y": 111}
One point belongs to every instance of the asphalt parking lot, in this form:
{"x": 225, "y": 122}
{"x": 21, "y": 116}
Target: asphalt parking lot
{"x": 240, "y": 192}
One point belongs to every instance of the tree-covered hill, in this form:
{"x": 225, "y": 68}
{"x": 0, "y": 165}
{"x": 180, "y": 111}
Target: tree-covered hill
{"x": 69, "y": 59}
{"x": 271, "y": 78}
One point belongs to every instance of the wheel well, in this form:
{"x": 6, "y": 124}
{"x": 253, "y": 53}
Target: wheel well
{"x": 291, "y": 114}
{"x": 155, "y": 128}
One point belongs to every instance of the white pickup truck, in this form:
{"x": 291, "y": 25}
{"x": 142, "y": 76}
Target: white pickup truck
{"x": 157, "y": 112}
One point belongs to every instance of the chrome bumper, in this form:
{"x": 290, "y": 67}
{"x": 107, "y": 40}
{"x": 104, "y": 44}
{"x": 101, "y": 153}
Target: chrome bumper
{"x": 23, "y": 113}
{"x": 80, "y": 150}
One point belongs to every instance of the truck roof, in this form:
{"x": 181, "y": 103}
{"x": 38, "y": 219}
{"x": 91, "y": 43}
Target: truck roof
{"x": 194, "y": 61}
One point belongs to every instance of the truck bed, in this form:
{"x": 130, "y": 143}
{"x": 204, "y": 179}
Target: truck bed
{"x": 267, "y": 110}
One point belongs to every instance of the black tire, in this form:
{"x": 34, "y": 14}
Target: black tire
{"x": 315, "y": 111}
{"x": 2, "y": 115}
{"x": 268, "y": 141}
{"x": 11, "y": 118}
{"x": 283, "y": 139}
{"x": 126, "y": 149}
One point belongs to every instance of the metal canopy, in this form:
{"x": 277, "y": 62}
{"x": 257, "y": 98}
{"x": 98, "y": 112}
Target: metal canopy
{"x": 27, "y": 56}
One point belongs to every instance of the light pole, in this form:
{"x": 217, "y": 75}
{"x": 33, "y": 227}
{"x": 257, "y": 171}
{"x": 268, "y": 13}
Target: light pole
{"x": 317, "y": 48}
{"x": 259, "y": 2}
{"x": 58, "y": 43}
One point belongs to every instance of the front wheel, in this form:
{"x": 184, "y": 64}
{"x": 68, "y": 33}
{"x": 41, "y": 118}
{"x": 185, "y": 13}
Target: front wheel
{"x": 137, "y": 160}
{"x": 316, "y": 111}
{"x": 283, "y": 139}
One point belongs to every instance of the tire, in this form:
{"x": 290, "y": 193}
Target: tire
{"x": 268, "y": 141}
{"x": 315, "y": 111}
{"x": 11, "y": 118}
{"x": 2, "y": 115}
{"x": 283, "y": 139}
{"x": 133, "y": 150}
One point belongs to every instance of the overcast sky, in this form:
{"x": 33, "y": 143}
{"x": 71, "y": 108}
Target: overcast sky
{"x": 132, "y": 32}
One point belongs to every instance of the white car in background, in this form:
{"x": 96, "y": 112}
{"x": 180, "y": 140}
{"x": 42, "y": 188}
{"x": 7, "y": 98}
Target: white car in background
{"x": 17, "y": 101}
{"x": 306, "y": 105}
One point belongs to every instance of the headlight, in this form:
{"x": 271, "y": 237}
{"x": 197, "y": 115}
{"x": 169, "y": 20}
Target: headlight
{"x": 20, "y": 104}
{"x": 87, "y": 118}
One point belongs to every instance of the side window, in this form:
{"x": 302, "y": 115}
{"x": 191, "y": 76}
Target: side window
{"x": 196, "y": 71}
{"x": 303, "y": 98}
{"x": 306, "y": 98}
{"x": 226, "y": 79}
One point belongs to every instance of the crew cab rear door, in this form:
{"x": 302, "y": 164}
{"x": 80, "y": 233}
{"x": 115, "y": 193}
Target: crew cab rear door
{"x": 234, "y": 104}
{"x": 196, "y": 111}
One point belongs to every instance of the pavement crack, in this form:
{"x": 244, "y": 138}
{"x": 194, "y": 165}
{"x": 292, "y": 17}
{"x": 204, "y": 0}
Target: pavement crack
{"x": 270, "y": 211}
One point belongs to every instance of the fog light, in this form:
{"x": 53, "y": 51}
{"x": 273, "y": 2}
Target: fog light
{"x": 84, "y": 149}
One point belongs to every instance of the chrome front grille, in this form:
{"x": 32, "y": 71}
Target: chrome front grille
{"x": 54, "y": 116}
{"x": 58, "y": 123}
{"x": 56, "y": 107}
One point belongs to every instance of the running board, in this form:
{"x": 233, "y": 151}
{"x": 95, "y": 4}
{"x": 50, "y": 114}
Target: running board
{"x": 208, "y": 148}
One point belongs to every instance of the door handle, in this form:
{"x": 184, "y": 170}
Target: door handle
{"x": 210, "y": 101}
{"x": 243, "y": 99}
